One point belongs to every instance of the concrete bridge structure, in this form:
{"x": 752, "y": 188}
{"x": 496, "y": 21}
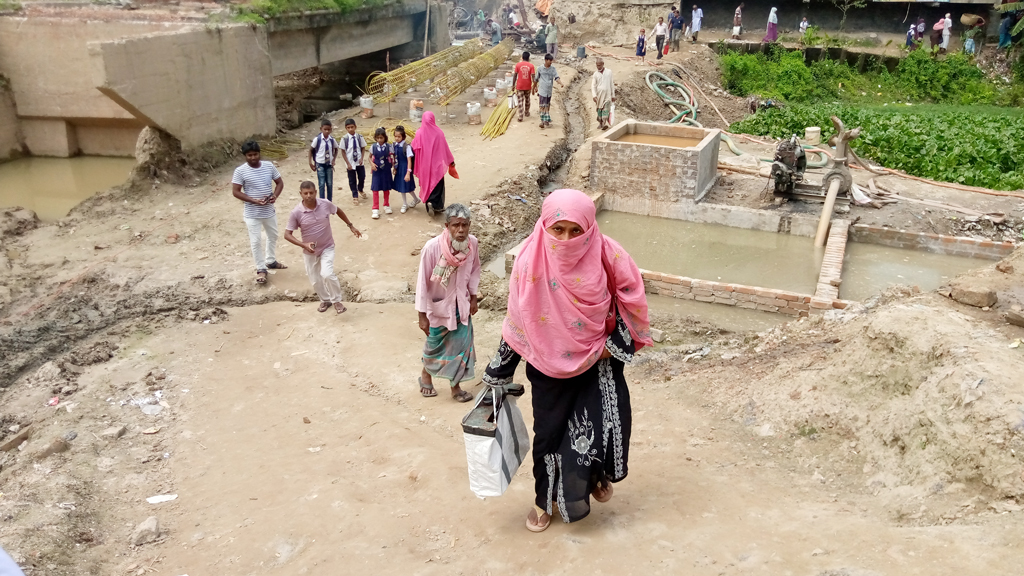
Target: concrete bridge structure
{"x": 73, "y": 86}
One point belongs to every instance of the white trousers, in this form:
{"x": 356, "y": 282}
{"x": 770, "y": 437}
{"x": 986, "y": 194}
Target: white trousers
{"x": 255, "y": 226}
{"x": 320, "y": 270}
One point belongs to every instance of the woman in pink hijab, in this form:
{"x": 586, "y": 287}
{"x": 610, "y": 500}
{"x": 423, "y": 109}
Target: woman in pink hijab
{"x": 576, "y": 312}
{"x": 433, "y": 159}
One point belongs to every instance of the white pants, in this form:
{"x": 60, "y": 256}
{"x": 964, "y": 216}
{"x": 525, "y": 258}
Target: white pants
{"x": 320, "y": 270}
{"x": 255, "y": 226}
{"x": 945, "y": 39}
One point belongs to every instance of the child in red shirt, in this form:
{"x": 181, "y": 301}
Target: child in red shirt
{"x": 523, "y": 81}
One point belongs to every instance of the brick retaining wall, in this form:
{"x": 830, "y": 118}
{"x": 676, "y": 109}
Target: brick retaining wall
{"x": 750, "y": 297}
{"x": 832, "y": 264}
{"x": 934, "y": 243}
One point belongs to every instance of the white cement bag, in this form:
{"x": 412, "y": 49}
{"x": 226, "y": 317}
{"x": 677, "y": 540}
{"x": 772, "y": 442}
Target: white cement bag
{"x": 493, "y": 461}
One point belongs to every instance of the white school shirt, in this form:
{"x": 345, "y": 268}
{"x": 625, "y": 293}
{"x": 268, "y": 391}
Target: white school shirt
{"x": 325, "y": 148}
{"x": 661, "y": 29}
{"x": 803, "y": 27}
{"x": 352, "y": 145}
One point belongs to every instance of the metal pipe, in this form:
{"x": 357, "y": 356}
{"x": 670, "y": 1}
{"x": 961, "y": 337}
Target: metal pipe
{"x": 826, "y": 212}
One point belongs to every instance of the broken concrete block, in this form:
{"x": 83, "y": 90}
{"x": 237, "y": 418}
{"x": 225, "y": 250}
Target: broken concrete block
{"x": 657, "y": 335}
{"x": 973, "y": 295}
{"x": 114, "y": 432}
{"x": 1013, "y": 317}
{"x": 15, "y": 440}
{"x": 147, "y": 531}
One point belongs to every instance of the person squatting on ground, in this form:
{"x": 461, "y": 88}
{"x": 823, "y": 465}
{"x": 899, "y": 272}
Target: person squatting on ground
{"x": 544, "y": 86}
{"x": 660, "y": 31}
{"x": 258, "y": 184}
{"x": 696, "y": 20}
{"x": 737, "y": 22}
{"x": 433, "y": 160}
{"x": 404, "y": 181}
{"x": 641, "y": 47}
{"x": 382, "y": 165}
{"x": 523, "y": 81}
{"x": 675, "y": 22}
{"x": 446, "y": 290}
{"x": 603, "y": 90}
{"x": 323, "y": 153}
{"x": 353, "y": 145}
{"x": 577, "y": 313}
{"x": 313, "y": 217}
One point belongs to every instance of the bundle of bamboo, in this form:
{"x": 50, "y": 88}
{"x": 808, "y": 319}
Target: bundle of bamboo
{"x": 497, "y": 123}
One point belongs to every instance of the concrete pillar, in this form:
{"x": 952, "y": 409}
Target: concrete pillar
{"x": 11, "y": 141}
{"x": 49, "y": 137}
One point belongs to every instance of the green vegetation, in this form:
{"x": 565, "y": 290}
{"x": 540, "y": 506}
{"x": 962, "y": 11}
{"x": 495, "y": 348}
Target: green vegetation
{"x": 977, "y": 146}
{"x": 9, "y": 6}
{"x": 782, "y": 74}
{"x": 258, "y": 11}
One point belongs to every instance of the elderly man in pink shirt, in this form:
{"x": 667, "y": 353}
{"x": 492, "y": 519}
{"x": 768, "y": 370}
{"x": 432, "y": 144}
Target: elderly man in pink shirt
{"x": 446, "y": 290}
{"x": 313, "y": 217}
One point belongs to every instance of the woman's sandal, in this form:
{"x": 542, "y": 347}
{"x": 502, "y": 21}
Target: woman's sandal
{"x": 533, "y": 520}
{"x": 430, "y": 392}
{"x": 462, "y": 396}
{"x": 606, "y": 487}
{"x": 261, "y": 277}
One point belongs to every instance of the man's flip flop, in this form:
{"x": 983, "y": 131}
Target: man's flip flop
{"x": 339, "y": 307}
{"x": 533, "y": 521}
{"x": 276, "y": 266}
{"x": 323, "y": 307}
{"x": 463, "y": 396}
{"x": 261, "y": 277}
{"x": 430, "y": 392}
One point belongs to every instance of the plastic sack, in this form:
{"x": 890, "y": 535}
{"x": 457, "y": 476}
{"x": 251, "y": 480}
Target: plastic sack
{"x": 494, "y": 460}
{"x": 472, "y": 108}
{"x": 611, "y": 115}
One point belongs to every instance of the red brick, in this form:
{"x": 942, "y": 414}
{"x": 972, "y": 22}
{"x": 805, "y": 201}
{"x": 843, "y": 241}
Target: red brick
{"x": 744, "y": 289}
{"x": 749, "y": 305}
{"x": 789, "y": 311}
{"x": 651, "y": 275}
{"x": 704, "y": 298}
{"x": 665, "y": 292}
{"x": 821, "y": 303}
{"x": 790, "y": 297}
{"x": 728, "y": 301}
{"x": 672, "y": 279}
{"x": 798, "y": 305}
{"x": 767, "y": 308}
{"x": 839, "y": 304}
{"x": 765, "y": 293}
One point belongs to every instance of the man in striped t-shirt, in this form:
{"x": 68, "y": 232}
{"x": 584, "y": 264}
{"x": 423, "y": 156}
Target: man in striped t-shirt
{"x": 258, "y": 184}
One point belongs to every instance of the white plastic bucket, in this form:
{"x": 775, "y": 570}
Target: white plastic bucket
{"x": 366, "y": 103}
{"x": 416, "y": 115}
{"x": 812, "y": 135}
{"x": 490, "y": 97}
{"x": 473, "y": 108}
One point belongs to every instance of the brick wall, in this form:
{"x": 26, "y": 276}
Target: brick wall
{"x": 935, "y": 243}
{"x": 750, "y": 297}
{"x": 654, "y": 176}
{"x": 832, "y": 264}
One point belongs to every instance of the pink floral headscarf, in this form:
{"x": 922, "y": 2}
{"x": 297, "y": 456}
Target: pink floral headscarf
{"x": 563, "y": 295}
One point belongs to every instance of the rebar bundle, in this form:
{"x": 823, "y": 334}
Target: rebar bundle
{"x": 458, "y": 79}
{"x": 383, "y": 86}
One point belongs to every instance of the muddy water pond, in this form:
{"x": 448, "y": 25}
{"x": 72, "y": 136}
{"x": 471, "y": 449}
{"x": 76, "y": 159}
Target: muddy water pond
{"x": 659, "y": 140}
{"x": 713, "y": 252}
{"x": 869, "y": 268}
{"x": 51, "y": 187}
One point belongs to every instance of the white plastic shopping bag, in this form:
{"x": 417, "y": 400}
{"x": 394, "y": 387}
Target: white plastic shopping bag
{"x": 497, "y": 442}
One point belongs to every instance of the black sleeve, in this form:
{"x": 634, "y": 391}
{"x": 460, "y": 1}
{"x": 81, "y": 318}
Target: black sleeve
{"x": 502, "y": 367}
{"x": 620, "y": 341}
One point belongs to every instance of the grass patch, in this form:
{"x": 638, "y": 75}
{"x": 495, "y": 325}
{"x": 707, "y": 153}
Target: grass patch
{"x": 784, "y": 75}
{"x": 259, "y": 11}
